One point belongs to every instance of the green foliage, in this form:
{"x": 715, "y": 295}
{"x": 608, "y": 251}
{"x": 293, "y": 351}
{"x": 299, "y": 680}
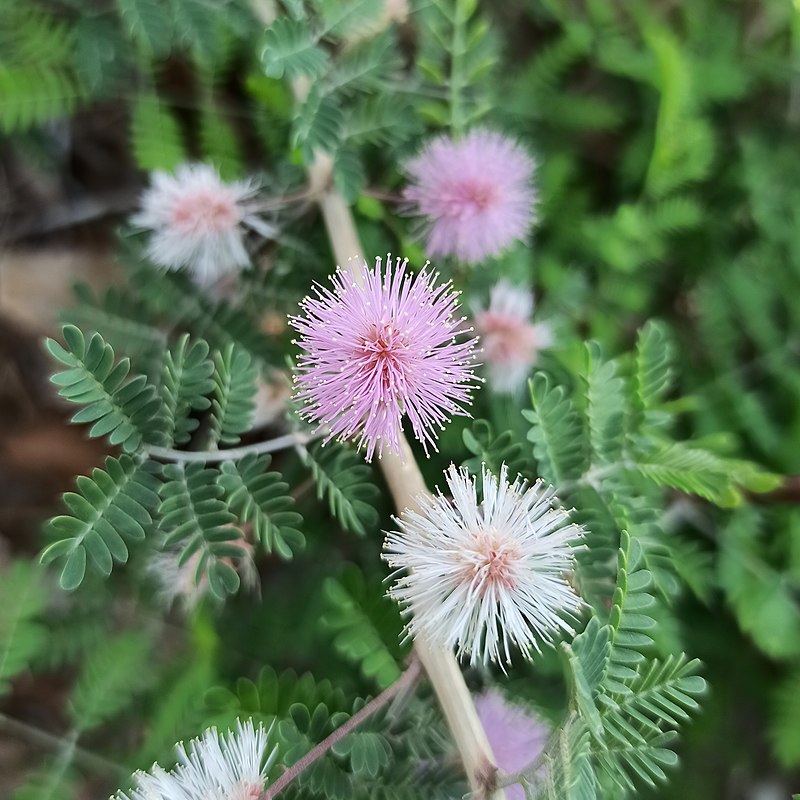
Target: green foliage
{"x": 344, "y": 480}
{"x": 195, "y": 517}
{"x": 494, "y": 451}
{"x": 119, "y": 405}
{"x": 630, "y": 704}
{"x": 156, "y": 137}
{"x": 784, "y": 730}
{"x": 111, "y": 508}
{"x": 185, "y": 388}
{"x": 764, "y": 598}
{"x": 260, "y": 498}
{"x": 30, "y": 95}
{"x": 22, "y": 636}
{"x": 558, "y": 443}
{"x": 235, "y": 376}
{"x": 291, "y": 49}
{"x": 219, "y": 145}
{"x": 110, "y": 679}
{"x": 148, "y": 24}
{"x": 361, "y": 622}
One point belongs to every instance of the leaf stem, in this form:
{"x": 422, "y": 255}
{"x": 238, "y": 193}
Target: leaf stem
{"x": 405, "y": 681}
{"x": 232, "y": 453}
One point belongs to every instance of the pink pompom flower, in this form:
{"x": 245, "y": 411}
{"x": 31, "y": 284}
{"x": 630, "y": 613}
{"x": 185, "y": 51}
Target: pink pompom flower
{"x": 483, "y": 576}
{"x": 383, "y": 343}
{"x": 517, "y": 737}
{"x": 475, "y": 192}
{"x": 511, "y": 342}
{"x": 198, "y": 221}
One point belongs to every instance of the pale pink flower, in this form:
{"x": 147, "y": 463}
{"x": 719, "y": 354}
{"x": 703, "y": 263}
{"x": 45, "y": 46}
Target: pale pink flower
{"x": 213, "y": 767}
{"x": 380, "y": 345}
{"x": 475, "y": 192}
{"x": 480, "y": 577}
{"x": 198, "y": 221}
{"x": 517, "y": 737}
{"x": 510, "y": 341}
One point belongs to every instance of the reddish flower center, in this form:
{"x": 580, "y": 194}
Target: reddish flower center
{"x": 492, "y": 564}
{"x": 473, "y": 195}
{"x": 245, "y": 791}
{"x": 383, "y": 351}
{"x": 205, "y": 211}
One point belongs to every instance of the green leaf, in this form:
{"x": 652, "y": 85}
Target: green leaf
{"x": 605, "y": 405}
{"x": 653, "y": 370}
{"x": 361, "y": 622}
{"x": 185, "y": 387}
{"x": 556, "y": 432}
{"x": 112, "y": 508}
{"x": 318, "y": 125}
{"x": 110, "y": 679}
{"x": 344, "y": 479}
{"x": 149, "y": 25}
{"x": 235, "y": 376}
{"x": 291, "y": 49}
{"x": 22, "y": 638}
{"x": 30, "y": 95}
{"x": 156, "y": 138}
{"x": 194, "y": 516}
{"x": 261, "y": 498}
{"x": 219, "y": 144}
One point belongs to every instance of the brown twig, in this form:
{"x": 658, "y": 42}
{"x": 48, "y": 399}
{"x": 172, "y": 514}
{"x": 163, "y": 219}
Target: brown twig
{"x": 405, "y": 681}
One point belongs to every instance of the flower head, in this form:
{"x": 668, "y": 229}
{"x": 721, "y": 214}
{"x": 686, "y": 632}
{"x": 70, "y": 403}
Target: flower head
{"x": 510, "y": 341}
{"x": 475, "y": 192}
{"x": 380, "y": 345}
{"x": 213, "y": 767}
{"x": 197, "y": 221}
{"x": 517, "y": 737}
{"x": 483, "y": 576}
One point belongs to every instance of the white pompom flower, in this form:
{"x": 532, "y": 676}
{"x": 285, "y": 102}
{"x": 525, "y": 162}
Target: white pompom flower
{"x": 198, "y": 221}
{"x": 481, "y": 577}
{"x": 231, "y": 766}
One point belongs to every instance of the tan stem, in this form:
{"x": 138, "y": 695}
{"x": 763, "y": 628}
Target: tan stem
{"x": 406, "y": 484}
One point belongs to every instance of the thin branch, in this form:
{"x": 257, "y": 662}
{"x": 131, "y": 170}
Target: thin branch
{"x": 89, "y": 760}
{"x": 233, "y": 453}
{"x": 405, "y": 681}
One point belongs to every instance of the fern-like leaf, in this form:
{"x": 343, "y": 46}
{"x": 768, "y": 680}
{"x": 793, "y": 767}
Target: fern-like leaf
{"x": 111, "y": 508}
{"x": 195, "y": 517}
{"x": 30, "y": 95}
{"x": 235, "y": 376}
{"x": 156, "y": 138}
{"x": 149, "y": 25}
{"x": 261, "y": 498}
{"x": 119, "y": 406}
{"x": 186, "y": 383}
{"x": 22, "y": 638}
{"x": 605, "y": 405}
{"x": 361, "y": 621}
{"x": 344, "y": 479}
{"x": 291, "y": 49}
{"x": 556, "y": 432}
{"x": 110, "y": 679}
{"x": 630, "y": 621}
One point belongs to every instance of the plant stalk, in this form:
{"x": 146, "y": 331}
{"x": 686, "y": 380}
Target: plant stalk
{"x": 406, "y": 485}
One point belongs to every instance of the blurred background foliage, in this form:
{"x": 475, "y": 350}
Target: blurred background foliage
{"x": 669, "y": 184}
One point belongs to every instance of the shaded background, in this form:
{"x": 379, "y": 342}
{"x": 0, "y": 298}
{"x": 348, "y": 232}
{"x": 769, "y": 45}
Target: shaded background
{"x": 669, "y": 179}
